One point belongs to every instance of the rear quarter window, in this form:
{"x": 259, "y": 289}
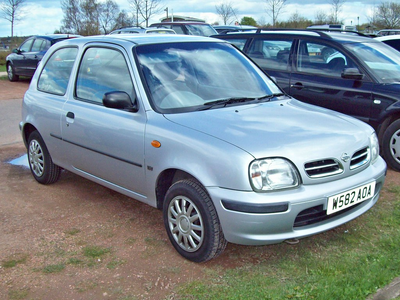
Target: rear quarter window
{"x": 57, "y": 71}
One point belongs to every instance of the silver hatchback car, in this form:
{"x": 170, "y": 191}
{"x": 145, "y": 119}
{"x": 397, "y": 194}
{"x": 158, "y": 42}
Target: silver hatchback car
{"x": 191, "y": 126}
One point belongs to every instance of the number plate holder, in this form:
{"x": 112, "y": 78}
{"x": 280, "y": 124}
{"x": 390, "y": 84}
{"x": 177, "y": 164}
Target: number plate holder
{"x": 349, "y": 198}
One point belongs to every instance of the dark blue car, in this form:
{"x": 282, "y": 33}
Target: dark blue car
{"x": 24, "y": 60}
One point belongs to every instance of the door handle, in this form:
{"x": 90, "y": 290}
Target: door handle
{"x": 297, "y": 86}
{"x": 70, "y": 118}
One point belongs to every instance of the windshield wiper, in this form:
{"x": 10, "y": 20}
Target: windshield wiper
{"x": 235, "y": 100}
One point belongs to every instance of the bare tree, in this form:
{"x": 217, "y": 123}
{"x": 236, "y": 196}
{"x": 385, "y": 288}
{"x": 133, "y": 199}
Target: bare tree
{"x": 226, "y": 11}
{"x": 89, "y": 17}
{"x": 109, "y": 13}
{"x": 145, "y": 9}
{"x": 124, "y": 20}
{"x": 388, "y": 15}
{"x": 336, "y": 9}
{"x": 274, "y": 8}
{"x": 321, "y": 18}
{"x": 11, "y": 10}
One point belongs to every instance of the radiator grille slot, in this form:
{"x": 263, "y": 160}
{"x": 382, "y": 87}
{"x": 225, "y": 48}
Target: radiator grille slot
{"x": 359, "y": 158}
{"x": 323, "y": 168}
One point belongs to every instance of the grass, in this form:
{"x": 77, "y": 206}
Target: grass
{"x": 350, "y": 262}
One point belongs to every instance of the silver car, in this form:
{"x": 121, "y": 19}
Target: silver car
{"x": 191, "y": 126}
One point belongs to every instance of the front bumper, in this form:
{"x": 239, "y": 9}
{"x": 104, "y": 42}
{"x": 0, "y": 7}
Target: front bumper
{"x": 251, "y": 218}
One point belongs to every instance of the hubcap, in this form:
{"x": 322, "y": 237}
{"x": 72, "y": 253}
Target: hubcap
{"x": 10, "y": 72}
{"x": 185, "y": 223}
{"x": 36, "y": 159}
{"x": 395, "y": 146}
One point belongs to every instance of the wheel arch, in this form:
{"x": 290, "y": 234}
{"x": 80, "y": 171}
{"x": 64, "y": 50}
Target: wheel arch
{"x": 27, "y": 129}
{"x": 166, "y": 179}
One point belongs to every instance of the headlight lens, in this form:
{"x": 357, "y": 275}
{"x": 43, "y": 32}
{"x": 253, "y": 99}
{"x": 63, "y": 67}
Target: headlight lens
{"x": 374, "y": 147}
{"x": 273, "y": 174}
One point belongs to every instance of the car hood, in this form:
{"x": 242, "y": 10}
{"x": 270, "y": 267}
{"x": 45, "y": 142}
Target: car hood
{"x": 287, "y": 128}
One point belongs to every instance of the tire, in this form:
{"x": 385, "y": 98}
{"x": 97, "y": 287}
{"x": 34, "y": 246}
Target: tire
{"x": 391, "y": 145}
{"x": 42, "y": 167}
{"x": 11, "y": 73}
{"x": 192, "y": 222}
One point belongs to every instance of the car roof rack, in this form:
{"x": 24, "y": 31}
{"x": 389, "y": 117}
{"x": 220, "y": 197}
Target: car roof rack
{"x": 321, "y": 32}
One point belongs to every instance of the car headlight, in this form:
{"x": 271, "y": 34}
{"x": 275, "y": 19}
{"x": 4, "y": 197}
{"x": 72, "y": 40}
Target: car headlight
{"x": 373, "y": 140}
{"x": 273, "y": 174}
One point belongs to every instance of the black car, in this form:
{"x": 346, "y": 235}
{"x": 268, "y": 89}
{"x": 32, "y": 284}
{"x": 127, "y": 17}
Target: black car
{"x": 352, "y": 74}
{"x": 24, "y": 60}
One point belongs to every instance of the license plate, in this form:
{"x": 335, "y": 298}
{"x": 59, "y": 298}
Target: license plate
{"x": 352, "y": 197}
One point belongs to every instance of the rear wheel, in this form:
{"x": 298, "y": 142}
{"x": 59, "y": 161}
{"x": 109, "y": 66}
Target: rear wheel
{"x": 11, "y": 73}
{"x": 391, "y": 145}
{"x": 42, "y": 167}
{"x": 192, "y": 222}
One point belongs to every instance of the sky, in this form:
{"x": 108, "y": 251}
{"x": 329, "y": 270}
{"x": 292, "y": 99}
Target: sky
{"x": 45, "y": 16}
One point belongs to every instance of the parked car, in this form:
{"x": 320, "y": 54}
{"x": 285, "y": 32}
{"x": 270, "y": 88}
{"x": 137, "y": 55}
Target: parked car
{"x": 233, "y": 28}
{"x": 355, "y": 75}
{"x": 128, "y": 30}
{"x": 193, "y": 127}
{"x": 24, "y": 60}
{"x": 391, "y": 40}
{"x": 187, "y": 27}
{"x": 385, "y": 32}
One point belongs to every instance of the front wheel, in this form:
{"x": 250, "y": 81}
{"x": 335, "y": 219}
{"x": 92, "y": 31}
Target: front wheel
{"x": 391, "y": 145}
{"x": 11, "y": 73}
{"x": 192, "y": 222}
{"x": 42, "y": 167}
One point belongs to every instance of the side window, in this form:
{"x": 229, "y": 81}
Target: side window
{"x": 26, "y": 47}
{"x": 102, "y": 70}
{"x": 238, "y": 42}
{"x": 321, "y": 59}
{"x": 38, "y": 45}
{"x": 178, "y": 29}
{"x": 55, "y": 75}
{"x": 271, "y": 54}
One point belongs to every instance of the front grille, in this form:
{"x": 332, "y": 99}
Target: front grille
{"x": 323, "y": 168}
{"x": 359, "y": 158}
{"x": 329, "y": 167}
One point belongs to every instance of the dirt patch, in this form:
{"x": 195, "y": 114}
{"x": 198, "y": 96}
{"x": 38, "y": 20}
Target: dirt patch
{"x": 13, "y": 90}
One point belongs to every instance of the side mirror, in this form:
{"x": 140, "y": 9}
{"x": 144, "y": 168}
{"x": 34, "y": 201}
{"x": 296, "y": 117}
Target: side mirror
{"x": 352, "y": 73}
{"x": 16, "y": 51}
{"x": 119, "y": 100}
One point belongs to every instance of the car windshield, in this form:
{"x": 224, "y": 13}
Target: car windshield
{"x": 382, "y": 60}
{"x": 183, "y": 77}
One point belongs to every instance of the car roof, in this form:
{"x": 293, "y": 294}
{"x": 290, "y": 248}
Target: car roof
{"x": 327, "y": 35}
{"x": 55, "y": 36}
{"x": 234, "y": 27}
{"x": 388, "y": 37}
{"x": 125, "y": 30}
{"x": 180, "y": 22}
{"x": 140, "y": 39}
